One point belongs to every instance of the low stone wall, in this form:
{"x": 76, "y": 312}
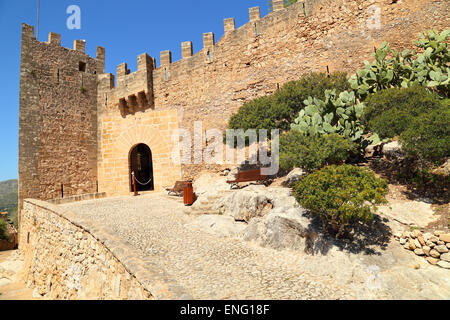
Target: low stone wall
{"x": 83, "y": 197}
{"x": 435, "y": 248}
{"x": 67, "y": 257}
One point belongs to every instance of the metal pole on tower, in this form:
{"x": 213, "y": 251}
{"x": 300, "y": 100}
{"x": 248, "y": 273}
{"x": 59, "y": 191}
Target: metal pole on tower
{"x": 37, "y": 32}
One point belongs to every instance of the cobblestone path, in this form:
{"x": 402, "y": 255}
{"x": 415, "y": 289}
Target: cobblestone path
{"x": 207, "y": 266}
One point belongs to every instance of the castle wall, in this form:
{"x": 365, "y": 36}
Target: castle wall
{"x": 57, "y": 118}
{"x": 67, "y": 258}
{"x": 126, "y": 118}
{"x": 75, "y": 137}
{"x": 120, "y": 135}
{"x": 263, "y": 54}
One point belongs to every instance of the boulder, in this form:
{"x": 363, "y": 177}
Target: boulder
{"x": 432, "y": 261}
{"x": 417, "y": 244}
{"x": 412, "y": 245}
{"x": 441, "y": 249}
{"x": 294, "y": 176}
{"x": 444, "y": 264}
{"x": 427, "y": 236}
{"x": 245, "y": 204}
{"x": 373, "y": 150}
{"x": 416, "y": 234}
{"x": 426, "y": 250}
{"x": 419, "y": 252}
{"x": 280, "y": 197}
{"x": 421, "y": 241}
{"x": 283, "y": 228}
{"x": 435, "y": 254}
{"x": 445, "y": 257}
{"x": 431, "y": 244}
{"x": 254, "y": 201}
{"x": 210, "y": 184}
{"x": 393, "y": 150}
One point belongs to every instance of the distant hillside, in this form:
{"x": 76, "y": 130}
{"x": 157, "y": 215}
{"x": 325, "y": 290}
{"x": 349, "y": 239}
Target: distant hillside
{"x": 8, "y": 199}
{"x": 8, "y": 195}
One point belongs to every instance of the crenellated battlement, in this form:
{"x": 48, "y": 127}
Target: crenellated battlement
{"x": 54, "y": 39}
{"x": 132, "y": 88}
{"x": 58, "y": 117}
{"x": 133, "y": 91}
{"x": 209, "y": 42}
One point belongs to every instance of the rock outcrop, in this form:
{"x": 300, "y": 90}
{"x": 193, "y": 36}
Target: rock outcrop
{"x": 282, "y": 228}
{"x": 294, "y": 176}
{"x": 393, "y": 150}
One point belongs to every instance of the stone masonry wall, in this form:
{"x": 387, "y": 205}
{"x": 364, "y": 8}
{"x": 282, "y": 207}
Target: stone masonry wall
{"x": 75, "y": 136}
{"x": 261, "y": 55}
{"x": 69, "y": 258}
{"x": 57, "y": 118}
{"x": 118, "y": 137}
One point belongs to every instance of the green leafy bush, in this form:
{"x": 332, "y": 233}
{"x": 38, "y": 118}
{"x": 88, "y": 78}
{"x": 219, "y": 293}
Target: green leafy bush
{"x": 393, "y": 69}
{"x": 3, "y": 230}
{"x": 341, "y": 196}
{"x": 428, "y": 136}
{"x": 279, "y": 110}
{"x": 312, "y": 152}
{"x": 261, "y": 113}
{"x": 390, "y": 112}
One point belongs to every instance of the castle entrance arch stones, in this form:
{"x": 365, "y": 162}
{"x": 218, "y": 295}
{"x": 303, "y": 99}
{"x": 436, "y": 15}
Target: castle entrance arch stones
{"x": 119, "y": 137}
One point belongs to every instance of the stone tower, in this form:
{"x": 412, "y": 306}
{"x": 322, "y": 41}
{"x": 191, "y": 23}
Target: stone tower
{"x": 57, "y": 118}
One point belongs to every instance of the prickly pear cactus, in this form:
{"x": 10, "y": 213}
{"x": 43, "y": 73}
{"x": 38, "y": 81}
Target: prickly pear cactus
{"x": 339, "y": 114}
{"x": 393, "y": 69}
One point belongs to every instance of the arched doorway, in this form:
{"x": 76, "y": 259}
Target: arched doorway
{"x": 141, "y": 164}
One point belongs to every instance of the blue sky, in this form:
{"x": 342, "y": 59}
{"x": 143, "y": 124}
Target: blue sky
{"x": 125, "y": 28}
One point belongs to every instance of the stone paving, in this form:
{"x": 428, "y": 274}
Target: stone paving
{"x": 207, "y": 266}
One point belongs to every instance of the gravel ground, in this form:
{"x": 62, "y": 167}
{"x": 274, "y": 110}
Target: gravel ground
{"x": 208, "y": 267}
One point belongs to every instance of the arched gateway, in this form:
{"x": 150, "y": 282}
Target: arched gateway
{"x": 141, "y": 164}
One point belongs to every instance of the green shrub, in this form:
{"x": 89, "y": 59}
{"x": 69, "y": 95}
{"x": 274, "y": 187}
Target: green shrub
{"x": 428, "y": 136}
{"x": 390, "y": 112}
{"x": 294, "y": 93}
{"x": 341, "y": 196}
{"x": 3, "y": 230}
{"x": 279, "y": 110}
{"x": 312, "y": 152}
{"x": 261, "y": 113}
